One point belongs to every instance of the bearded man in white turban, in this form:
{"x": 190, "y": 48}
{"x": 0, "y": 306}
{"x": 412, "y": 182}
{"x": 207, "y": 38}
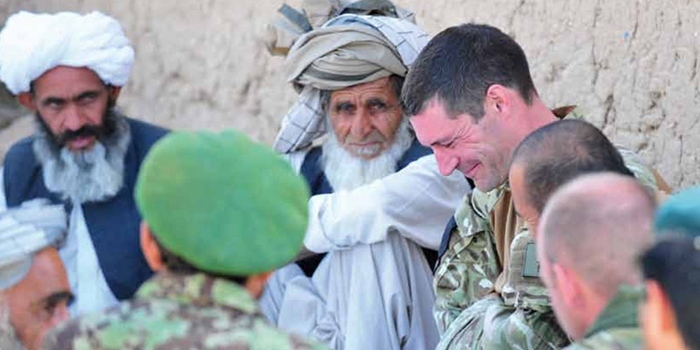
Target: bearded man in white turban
{"x": 68, "y": 69}
{"x": 378, "y": 198}
{"x": 34, "y": 290}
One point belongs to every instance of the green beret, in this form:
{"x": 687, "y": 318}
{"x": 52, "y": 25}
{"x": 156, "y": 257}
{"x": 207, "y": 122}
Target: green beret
{"x": 680, "y": 214}
{"x": 223, "y": 203}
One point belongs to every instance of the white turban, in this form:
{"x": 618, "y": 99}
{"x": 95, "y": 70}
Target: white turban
{"x": 24, "y": 231}
{"x": 31, "y": 44}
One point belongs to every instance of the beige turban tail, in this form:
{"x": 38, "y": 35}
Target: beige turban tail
{"x": 348, "y": 50}
{"x": 31, "y": 44}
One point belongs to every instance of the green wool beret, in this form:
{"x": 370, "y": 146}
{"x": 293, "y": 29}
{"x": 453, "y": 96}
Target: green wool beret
{"x": 222, "y": 202}
{"x": 680, "y": 214}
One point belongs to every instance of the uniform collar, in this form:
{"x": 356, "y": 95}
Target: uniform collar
{"x": 621, "y": 312}
{"x": 198, "y": 289}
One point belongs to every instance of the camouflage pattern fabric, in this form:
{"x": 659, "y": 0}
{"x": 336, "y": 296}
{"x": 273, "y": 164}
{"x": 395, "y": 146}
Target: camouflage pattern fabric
{"x": 479, "y": 304}
{"x": 617, "y": 326}
{"x": 178, "y": 312}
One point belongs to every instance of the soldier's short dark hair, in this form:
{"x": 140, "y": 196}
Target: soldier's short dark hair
{"x": 675, "y": 264}
{"x": 459, "y": 65}
{"x": 179, "y": 266}
{"x": 559, "y": 152}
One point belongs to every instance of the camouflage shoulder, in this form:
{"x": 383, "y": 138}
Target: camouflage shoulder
{"x": 617, "y": 339}
{"x": 468, "y": 269}
{"x": 483, "y": 202}
{"x": 267, "y": 336}
{"x": 523, "y": 287}
{"x": 85, "y": 332}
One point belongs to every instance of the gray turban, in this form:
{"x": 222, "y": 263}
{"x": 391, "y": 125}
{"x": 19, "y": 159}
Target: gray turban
{"x": 347, "y": 50}
{"x": 31, "y": 44}
{"x": 25, "y": 230}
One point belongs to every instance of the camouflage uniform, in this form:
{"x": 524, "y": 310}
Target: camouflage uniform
{"x": 483, "y": 299}
{"x": 178, "y": 312}
{"x": 617, "y": 326}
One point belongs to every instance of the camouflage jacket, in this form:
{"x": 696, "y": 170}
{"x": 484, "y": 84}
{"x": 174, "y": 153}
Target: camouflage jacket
{"x": 486, "y": 256}
{"x": 617, "y": 326}
{"x": 178, "y": 312}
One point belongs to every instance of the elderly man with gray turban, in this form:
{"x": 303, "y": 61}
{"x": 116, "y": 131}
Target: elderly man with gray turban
{"x": 378, "y": 198}
{"x": 34, "y": 290}
{"x": 68, "y": 69}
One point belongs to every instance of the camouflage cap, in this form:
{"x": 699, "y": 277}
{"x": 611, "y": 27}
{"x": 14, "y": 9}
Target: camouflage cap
{"x": 223, "y": 203}
{"x": 680, "y": 214}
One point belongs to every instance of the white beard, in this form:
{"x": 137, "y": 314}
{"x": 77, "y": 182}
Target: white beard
{"x": 88, "y": 176}
{"x": 8, "y": 336}
{"x": 346, "y": 171}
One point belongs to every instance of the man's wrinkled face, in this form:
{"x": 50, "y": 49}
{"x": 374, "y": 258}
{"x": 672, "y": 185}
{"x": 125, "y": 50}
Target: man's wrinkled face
{"x": 462, "y": 144}
{"x": 72, "y": 104}
{"x": 39, "y": 301}
{"x": 365, "y": 117}
{"x": 516, "y": 179}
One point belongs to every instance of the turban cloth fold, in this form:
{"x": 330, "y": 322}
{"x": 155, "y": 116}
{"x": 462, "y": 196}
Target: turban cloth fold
{"x": 31, "y": 44}
{"x": 25, "y": 230}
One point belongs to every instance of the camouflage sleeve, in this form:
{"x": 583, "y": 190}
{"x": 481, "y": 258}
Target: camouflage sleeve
{"x": 165, "y": 326}
{"x": 617, "y": 339}
{"x": 523, "y": 287}
{"x": 468, "y": 269}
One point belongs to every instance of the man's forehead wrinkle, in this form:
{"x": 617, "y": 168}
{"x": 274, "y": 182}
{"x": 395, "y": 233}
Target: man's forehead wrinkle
{"x": 378, "y": 92}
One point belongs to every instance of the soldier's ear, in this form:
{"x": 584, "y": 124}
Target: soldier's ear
{"x": 659, "y": 308}
{"x": 150, "y": 248}
{"x": 568, "y": 286}
{"x": 255, "y": 284}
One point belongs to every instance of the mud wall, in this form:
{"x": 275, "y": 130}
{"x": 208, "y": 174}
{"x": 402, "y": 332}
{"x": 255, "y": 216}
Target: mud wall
{"x": 632, "y": 64}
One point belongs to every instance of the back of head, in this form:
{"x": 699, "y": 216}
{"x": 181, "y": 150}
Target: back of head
{"x": 597, "y": 225}
{"x": 674, "y": 264}
{"x": 460, "y": 63}
{"x": 222, "y": 203}
{"x": 560, "y": 151}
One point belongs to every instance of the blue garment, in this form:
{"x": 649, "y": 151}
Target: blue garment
{"x": 113, "y": 224}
